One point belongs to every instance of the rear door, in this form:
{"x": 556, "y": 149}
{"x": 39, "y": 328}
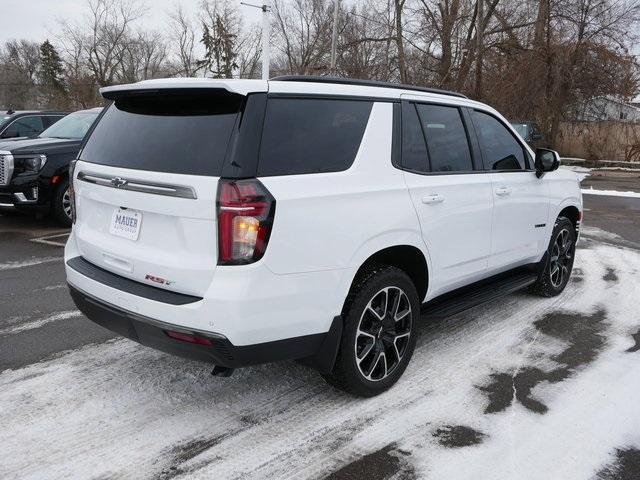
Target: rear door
{"x": 521, "y": 200}
{"x": 452, "y": 199}
{"x": 146, "y": 184}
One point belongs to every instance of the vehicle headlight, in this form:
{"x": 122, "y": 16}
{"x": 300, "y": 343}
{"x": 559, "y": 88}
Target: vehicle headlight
{"x": 31, "y": 164}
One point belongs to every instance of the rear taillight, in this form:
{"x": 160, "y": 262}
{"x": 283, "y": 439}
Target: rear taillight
{"x": 245, "y": 216}
{"x": 72, "y": 192}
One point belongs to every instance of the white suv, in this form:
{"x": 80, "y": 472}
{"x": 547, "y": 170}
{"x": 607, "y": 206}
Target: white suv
{"x": 317, "y": 219}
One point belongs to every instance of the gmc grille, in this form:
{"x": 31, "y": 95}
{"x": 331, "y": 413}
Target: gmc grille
{"x": 6, "y": 168}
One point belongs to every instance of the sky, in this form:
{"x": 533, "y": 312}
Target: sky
{"x": 38, "y": 19}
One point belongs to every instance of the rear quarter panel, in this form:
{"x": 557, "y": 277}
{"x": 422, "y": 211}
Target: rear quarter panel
{"x": 335, "y": 221}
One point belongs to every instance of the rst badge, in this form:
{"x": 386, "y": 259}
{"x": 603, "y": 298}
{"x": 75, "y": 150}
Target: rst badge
{"x": 126, "y": 223}
{"x": 156, "y": 279}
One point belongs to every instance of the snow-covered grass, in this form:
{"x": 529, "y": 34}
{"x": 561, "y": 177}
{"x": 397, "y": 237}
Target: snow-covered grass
{"x": 120, "y": 410}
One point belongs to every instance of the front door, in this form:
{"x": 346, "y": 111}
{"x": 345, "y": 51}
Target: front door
{"x": 520, "y": 199}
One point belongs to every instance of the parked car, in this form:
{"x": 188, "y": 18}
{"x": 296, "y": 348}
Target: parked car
{"x": 245, "y": 221}
{"x": 26, "y": 123}
{"x": 530, "y": 133}
{"x": 34, "y": 172}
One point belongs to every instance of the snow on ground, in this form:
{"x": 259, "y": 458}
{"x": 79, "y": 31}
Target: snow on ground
{"x": 523, "y": 388}
{"x": 21, "y": 324}
{"x": 581, "y": 172}
{"x": 28, "y": 263}
{"x": 609, "y": 193}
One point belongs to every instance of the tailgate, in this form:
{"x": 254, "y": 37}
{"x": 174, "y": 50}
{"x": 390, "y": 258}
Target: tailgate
{"x": 175, "y": 241}
{"x": 146, "y": 183}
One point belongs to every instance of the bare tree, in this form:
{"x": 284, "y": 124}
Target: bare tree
{"x": 303, "y": 36}
{"x": 183, "y": 42}
{"x": 144, "y": 57}
{"x": 102, "y": 39}
{"x": 19, "y": 65}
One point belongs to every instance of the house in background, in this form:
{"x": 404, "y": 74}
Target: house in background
{"x": 608, "y": 108}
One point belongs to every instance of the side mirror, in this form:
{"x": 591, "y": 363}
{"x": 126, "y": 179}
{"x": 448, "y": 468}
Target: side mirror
{"x": 9, "y": 134}
{"x": 546, "y": 161}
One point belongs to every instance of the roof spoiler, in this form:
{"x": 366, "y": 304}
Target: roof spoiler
{"x": 239, "y": 87}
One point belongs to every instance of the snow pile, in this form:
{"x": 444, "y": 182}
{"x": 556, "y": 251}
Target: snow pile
{"x": 610, "y": 193}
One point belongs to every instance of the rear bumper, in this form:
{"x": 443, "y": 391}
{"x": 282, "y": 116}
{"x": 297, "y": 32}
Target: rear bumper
{"x": 318, "y": 349}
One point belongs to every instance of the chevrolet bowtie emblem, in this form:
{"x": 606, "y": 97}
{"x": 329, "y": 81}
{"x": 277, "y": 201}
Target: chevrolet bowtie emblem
{"x": 118, "y": 182}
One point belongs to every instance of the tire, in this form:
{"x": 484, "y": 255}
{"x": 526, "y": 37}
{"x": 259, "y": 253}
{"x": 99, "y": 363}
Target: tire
{"x": 61, "y": 207}
{"x": 559, "y": 260}
{"x": 369, "y": 335}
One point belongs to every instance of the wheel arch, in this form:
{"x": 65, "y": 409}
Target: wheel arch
{"x": 572, "y": 213}
{"x": 407, "y": 258}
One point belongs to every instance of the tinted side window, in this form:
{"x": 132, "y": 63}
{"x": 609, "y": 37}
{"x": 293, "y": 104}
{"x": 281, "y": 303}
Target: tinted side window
{"x": 500, "y": 149}
{"x": 414, "y": 148}
{"x": 311, "y": 135}
{"x": 24, "y": 127}
{"x": 446, "y": 138}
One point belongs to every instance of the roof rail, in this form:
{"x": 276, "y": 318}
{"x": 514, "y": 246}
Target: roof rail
{"x": 363, "y": 83}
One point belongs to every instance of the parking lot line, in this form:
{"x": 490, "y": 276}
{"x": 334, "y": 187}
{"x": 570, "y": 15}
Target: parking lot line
{"x": 47, "y": 239}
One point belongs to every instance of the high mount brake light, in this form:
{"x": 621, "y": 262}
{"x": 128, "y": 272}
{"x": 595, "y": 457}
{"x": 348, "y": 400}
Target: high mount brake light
{"x": 245, "y": 216}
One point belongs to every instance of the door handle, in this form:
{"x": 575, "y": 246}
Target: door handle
{"x": 433, "y": 198}
{"x": 503, "y": 191}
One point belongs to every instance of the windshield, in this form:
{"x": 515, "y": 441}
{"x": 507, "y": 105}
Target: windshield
{"x": 521, "y": 128}
{"x": 74, "y": 126}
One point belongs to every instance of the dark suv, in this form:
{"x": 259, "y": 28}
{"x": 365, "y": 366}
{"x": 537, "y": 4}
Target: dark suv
{"x": 530, "y": 133}
{"x": 26, "y": 124}
{"x": 34, "y": 172}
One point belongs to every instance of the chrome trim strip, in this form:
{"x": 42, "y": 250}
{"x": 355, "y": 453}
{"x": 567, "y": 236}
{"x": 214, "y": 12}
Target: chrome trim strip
{"x": 135, "y": 185}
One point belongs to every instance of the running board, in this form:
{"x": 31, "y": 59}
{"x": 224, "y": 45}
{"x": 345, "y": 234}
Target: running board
{"x": 468, "y": 297}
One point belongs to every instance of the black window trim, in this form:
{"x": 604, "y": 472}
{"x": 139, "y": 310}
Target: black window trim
{"x": 477, "y": 167}
{"x": 396, "y": 136}
{"x": 527, "y": 156}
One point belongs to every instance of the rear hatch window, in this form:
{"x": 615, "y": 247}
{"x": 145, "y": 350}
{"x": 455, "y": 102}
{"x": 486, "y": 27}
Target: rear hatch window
{"x": 185, "y": 132}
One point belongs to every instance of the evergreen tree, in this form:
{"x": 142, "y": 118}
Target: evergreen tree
{"x": 51, "y": 74}
{"x": 220, "y": 55}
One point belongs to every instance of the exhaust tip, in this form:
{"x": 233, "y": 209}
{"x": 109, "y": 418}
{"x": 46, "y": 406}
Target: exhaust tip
{"x": 219, "y": 371}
